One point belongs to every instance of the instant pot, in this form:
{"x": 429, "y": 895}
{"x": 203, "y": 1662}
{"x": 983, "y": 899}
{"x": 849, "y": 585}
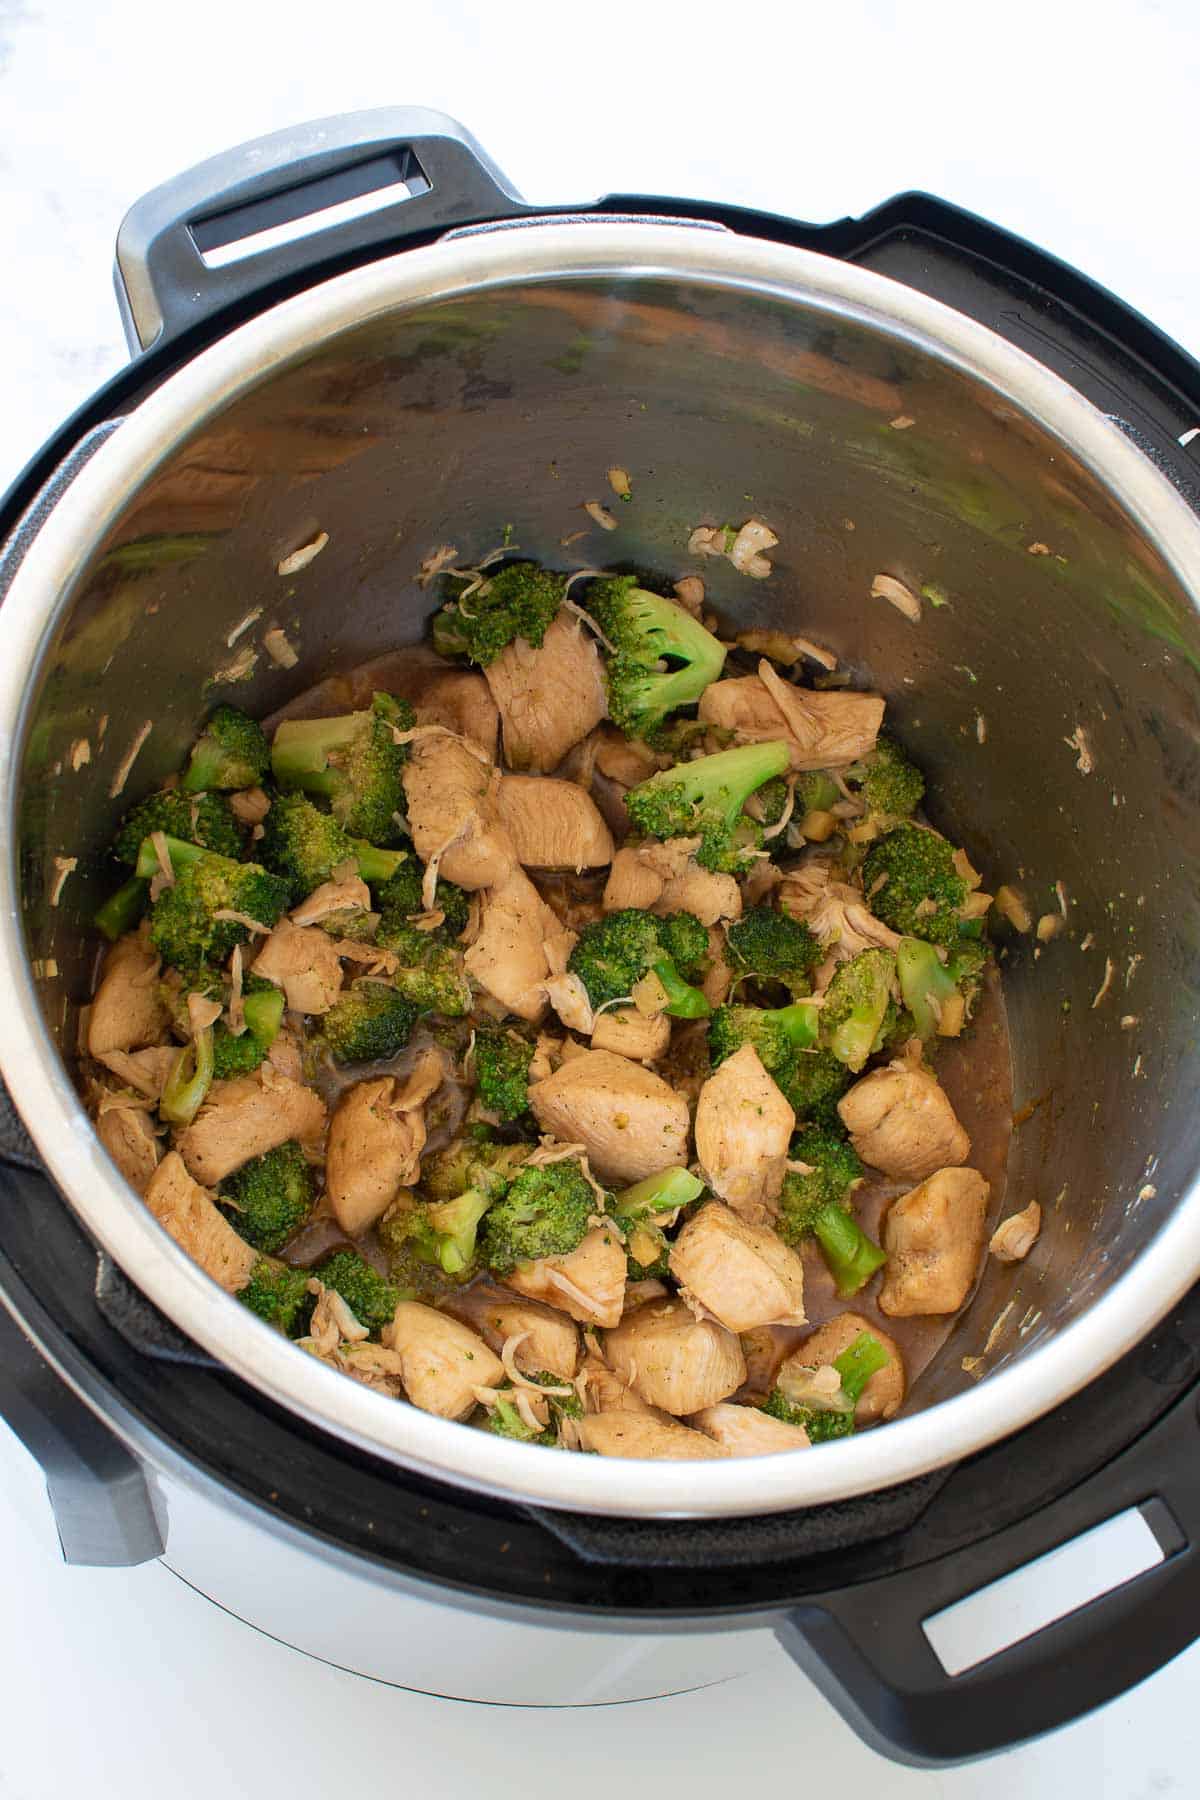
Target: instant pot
{"x": 912, "y": 393}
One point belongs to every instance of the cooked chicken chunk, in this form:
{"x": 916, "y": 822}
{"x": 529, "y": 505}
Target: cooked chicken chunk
{"x": 128, "y": 1012}
{"x": 764, "y": 1349}
{"x": 303, "y": 961}
{"x": 641, "y": 1435}
{"x": 553, "y": 824}
{"x": 188, "y": 1213}
{"x": 351, "y": 894}
{"x": 934, "y": 1237}
{"x": 884, "y": 1392}
{"x": 711, "y": 897}
{"x": 460, "y": 700}
{"x": 834, "y": 912}
{"x": 627, "y": 761}
{"x": 667, "y": 878}
{"x": 547, "y": 1340}
{"x": 822, "y": 730}
{"x": 743, "y": 1128}
{"x": 1015, "y": 1237}
{"x": 145, "y": 1071}
{"x": 744, "y": 1431}
{"x": 127, "y": 1135}
{"x": 631, "y": 883}
{"x": 673, "y": 1359}
{"x": 630, "y": 1121}
{"x": 444, "y": 1361}
{"x": 245, "y": 1118}
{"x": 450, "y": 791}
{"x": 718, "y": 978}
{"x": 742, "y": 1274}
{"x": 549, "y": 699}
{"x": 375, "y": 1145}
{"x": 901, "y": 1121}
{"x": 605, "y": 1392}
{"x": 589, "y": 1284}
{"x": 509, "y": 957}
{"x": 642, "y": 1037}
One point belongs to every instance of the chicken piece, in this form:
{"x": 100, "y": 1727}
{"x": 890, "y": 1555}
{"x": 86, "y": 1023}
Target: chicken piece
{"x": 764, "y": 1349}
{"x": 450, "y": 792}
{"x": 460, "y": 700}
{"x": 743, "y": 1128}
{"x": 247, "y": 1117}
{"x": 128, "y": 1012}
{"x": 375, "y": 1145}
{"x": 145, "y": 1071}
{"x": 744, "y": 1431}
{"x": 673, "y": 1359}
{"x": 128, "y": 1136}
{"x": 286, "y": 1055}
{"x": 1015, "y": 1237}
{"x": 548, "y": 1340}
{"x": 631, "y": 883}
{"x": 627, "y": 761}
{"x": 589, "y": 1284}
{"x": 884, "y": 1392}
{"x": 549, "y": 699}
{"x": 834, "y": 912}
{"x": 642, "y": 1037}
{"x": 901, "y": 1121}
{"x": 742, "y": 1274}
{"x": 351, "y": 894}
{"x": 303, "y": 961}
{"x": 822, "y": 730}
{"x": 633, "y": 1434}
{"x": 933, "y": 1237}
{"x": 553, "y": 824}
{"x": 631, "y": 1123}
{"x": 509, "y": 958}
{"x": 444, "y": 1361}
{"x": 718, "y": 977}
{"x": 187, "y": 1211}
{"x": 605, "y": 1392}
{"x": 712, "y": 898}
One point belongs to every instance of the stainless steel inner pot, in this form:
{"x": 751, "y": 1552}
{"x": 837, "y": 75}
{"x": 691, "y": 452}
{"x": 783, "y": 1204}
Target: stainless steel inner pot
{"x": 1050, "y": 692}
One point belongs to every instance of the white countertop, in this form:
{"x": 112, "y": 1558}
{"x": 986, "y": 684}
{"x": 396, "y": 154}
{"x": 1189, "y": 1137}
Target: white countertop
{"x": 1074, "y": 125}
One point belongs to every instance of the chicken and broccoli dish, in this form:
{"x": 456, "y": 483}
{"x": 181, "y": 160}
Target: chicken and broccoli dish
{"x": 552, "y": 1035}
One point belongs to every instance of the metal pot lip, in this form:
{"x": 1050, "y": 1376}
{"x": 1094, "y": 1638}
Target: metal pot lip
{"x": 38, "y": 1080}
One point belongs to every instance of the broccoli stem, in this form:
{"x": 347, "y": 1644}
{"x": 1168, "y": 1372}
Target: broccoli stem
{"x": 665, "y": 1192}
{"x": 179, "y": 854}
{"x": 683, "y": 1001}
{"x": 849, "y": 1252}
{"x": 122, "y": 910}
{"x": 189, "y": 1080}
{"x": 264, "y": 1015}
{"x": 456, "y": 1223}
{"x": 301, "y": 749}
{"x": 375, "y": 864}
{"x": 925, "y": 983}
{"x": 858, "y": 1362}
{"x": 801, "y": 1023}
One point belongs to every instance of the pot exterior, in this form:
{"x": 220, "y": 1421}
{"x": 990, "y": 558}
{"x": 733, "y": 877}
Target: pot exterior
{"x": 1050, "y": 692}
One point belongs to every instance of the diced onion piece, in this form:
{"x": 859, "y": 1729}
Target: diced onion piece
{"x": 618, "y": 481}
{"x": 1011, "y": 906}
{"x": 899, "y": 595}
{"x": 746, "y": 551}
{"x": 1015, "y": 1237}
{"x": 1049, "y": 926}
{"x": 600, "y": 515}
{"x": 300, "y": 559}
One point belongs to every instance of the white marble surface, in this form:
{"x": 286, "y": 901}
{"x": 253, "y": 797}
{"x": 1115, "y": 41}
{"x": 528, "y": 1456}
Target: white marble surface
{"x": 1072, "y": 123}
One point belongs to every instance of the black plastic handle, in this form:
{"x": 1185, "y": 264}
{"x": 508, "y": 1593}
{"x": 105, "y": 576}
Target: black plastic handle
{"x": 436, "y": 173}
{"x": 865, "y": 1649}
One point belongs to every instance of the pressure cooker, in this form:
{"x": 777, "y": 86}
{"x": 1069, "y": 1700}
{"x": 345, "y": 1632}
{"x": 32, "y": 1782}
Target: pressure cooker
{"x": 358, "y": 329}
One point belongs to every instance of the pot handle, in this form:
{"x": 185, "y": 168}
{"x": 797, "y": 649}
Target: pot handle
{"x": 180, "y": 256}
{"x": 866, "y": 1649}
{"x": 97, "y": 1490}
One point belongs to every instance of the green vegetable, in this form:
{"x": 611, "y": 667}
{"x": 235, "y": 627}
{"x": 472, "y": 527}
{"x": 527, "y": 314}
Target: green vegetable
{"x": 233, "y": 1056}
{"x": 816, "y": 1082}
{"x": 230, "y": 753}
{"x": 769, "y": 803}
{"x": 203, "y": 819}
{"x": 184, "y": 926}
{"x": 502, "y": 1059}
{"x": 399, "y": 898}
{"x": 277, "y": 1294}
{"x": 890, "y": 786}
{"x": 189, "y": 1080}
{"x": 371, "y": 1297}
{"x": 440, "y": 1232}
{"x": 638, "y": 1209}
{"x": 817, "y": 1205}
{"x": 122, "y": 910}
{"x": 766, "y": 945}
{"x": 544, "y": 1213}
{"x": 353, "y": 761}
{"x": 367, "y": 1021}
{"x": 431, "y": 972}
{"x": 518, "y": 601}
{"x": 269, "y": 1198}
{"x": 856, "y": 1004}
{"x": 304, "y": 846}
{"x": 705, "y": 798}
{"x": 816, "y": 791}
{"x": 614, "y": 953}
{"x": 662, "y": 658}
{"x": 912, "y": 885}
{"x": 856, "y": 1365}
{"x": 927, "y": 983}
{"x": 781, "y": 1035}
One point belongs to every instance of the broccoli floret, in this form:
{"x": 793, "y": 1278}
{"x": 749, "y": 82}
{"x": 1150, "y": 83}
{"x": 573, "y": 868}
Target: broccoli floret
{"x": 645, "y": 1209}
{"x": 235, "y": 1055}
{"x": 834, "y": 1418}
{"x": 779, "y": 1034}
{"x": 856, "y": 1003}
{"x": 544, "y": 1213}
{"x": 939, "y": 995}
{"x": 706, "y": 797}
{"x": 277, "y": 1294}
{"x": 367, "y": 1021}
{"x": 765, "y": 945}
{"x": 662, "y": 658}
{"x": 371, "y": 1297}
{"x": 502, "y": 1060}
{"x": 769, "y": 803}
{"x": 816, "y": 791}
{"x": 122, "y": 910}
{"x": 203, "y": 819}
{"x": 399, "y": 899}
{"x": 189, "y": 1079}
{"x": 503, "y": 1418}
{"x": 269, "y": 1198}
{"x": 230, "y": 753}
{"x": 353, "y": 761}
{"x": 614, "y": 953}
{"x": 888, "y": 784}
{"x": 817, "y": 1205}
{"x": 912, "y": 885}
{"x": 815, "y": 1084}
{"x": 431, "y": 972}
{"x": 304, "y": 846}
{"x": 184, "y": 926}
{"x": 518, "y": 601}
{"x": 439, "y": 1234}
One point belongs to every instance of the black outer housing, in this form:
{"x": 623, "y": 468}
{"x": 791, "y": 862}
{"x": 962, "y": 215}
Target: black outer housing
{"x": 845, "y": 1585}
